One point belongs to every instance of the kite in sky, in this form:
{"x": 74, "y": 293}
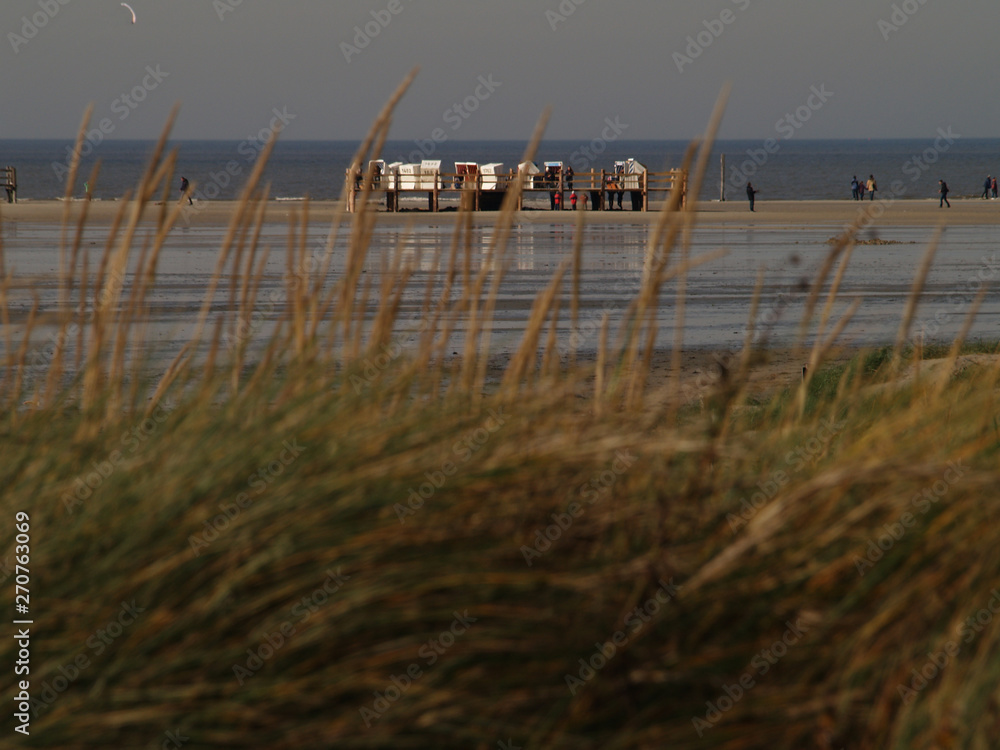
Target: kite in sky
{"x": 130, "y": 11}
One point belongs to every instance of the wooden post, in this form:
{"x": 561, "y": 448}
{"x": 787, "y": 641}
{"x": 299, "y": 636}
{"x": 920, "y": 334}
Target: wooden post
{"x": 600, "y": 190}
{"x": 437, "y": 193}
{"x": 722, "y": 180}
{"x": 10, "y": 183}
{"x": 645, "y": 191}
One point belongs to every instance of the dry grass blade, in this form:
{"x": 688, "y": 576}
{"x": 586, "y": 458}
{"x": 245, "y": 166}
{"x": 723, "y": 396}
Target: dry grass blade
{"x": 956, "y": 346}
{"x": 913, "y": 300}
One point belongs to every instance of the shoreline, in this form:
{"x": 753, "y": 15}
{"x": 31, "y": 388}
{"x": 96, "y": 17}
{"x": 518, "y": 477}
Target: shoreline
{"x": 840, "y": 213}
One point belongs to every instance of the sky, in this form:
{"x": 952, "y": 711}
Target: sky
{"x": 630, "y": 69}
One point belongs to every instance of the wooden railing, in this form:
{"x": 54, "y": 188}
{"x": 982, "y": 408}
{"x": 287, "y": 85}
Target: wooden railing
{"x": 596, "y": 190}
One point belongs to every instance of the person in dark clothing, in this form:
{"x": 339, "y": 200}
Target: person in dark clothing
{"x": 943, "y": 189}
{"x": 986, "y": 186}
{"x": 185, "y": 185}
{"x": 751, "y": 192}
{"x": 855, "y": 188}
{"x": 569, "y": 178}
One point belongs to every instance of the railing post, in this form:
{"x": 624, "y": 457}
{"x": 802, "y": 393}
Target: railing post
{"x": 722, "y": 180}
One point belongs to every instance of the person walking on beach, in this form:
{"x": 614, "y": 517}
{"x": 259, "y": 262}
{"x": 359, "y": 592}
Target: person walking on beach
{"x": 986, "y": 187}
{"x": 572, "y": 200}
{"x": 751, "y": 192}
{"x": 993, "y": 188}
{"x": 872, "y": 187}
{"x": 185, "y": 185}
{"x": 855, "y": 188}
{"x": 943, "y": 188}
{"x": 861, "y": 190}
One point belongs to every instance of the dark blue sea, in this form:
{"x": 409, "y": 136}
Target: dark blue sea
{"x": 781, "y": 170}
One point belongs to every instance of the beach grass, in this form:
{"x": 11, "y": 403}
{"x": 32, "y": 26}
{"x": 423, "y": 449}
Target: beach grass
{"x": 330, "y": 539}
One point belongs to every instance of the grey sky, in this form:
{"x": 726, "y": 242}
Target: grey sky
{"x": 614, "y": 59}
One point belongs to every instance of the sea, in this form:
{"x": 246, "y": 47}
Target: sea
{"x": 789, "y": 169}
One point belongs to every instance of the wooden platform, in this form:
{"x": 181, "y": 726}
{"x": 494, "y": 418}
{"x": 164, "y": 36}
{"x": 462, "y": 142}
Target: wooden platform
{"x": 595, "y": 190}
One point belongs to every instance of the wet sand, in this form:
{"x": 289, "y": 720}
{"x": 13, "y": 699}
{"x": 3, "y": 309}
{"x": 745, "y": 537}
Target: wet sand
{"x": 912, "y": 213}
{"x": 788, "y": 241}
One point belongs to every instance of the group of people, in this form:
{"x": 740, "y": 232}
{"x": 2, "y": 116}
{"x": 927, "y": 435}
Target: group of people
{"x": 989, "y": 190}
{"x": 990, "y": 186}
{"x": 614, "y": 187}
{"x": 862, "y": 186}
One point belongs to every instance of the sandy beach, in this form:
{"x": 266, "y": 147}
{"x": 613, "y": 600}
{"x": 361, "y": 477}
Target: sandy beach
{"x": 788, "y": 241}
{"x": 912, "y": 213}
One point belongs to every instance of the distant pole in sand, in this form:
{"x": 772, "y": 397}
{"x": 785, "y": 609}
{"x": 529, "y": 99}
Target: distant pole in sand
{"x": 722, "y": 180}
